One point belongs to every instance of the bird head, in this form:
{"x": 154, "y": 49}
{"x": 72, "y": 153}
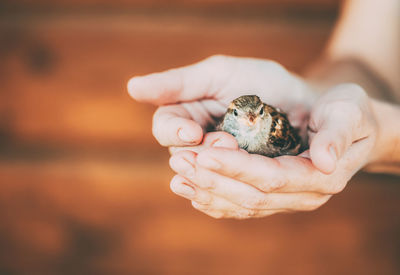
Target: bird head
{"x": 247, "y": 110}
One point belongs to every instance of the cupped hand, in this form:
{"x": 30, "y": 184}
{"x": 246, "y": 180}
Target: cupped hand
{"x": 191, "y": 97}
{"x": 226, "y": 182}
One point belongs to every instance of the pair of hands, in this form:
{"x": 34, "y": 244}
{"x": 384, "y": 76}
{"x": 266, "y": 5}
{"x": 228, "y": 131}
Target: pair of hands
{"x": 224, "y": 181}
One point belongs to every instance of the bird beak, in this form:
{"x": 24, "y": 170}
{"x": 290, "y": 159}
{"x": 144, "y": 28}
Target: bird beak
{"x": 251, "y": 119}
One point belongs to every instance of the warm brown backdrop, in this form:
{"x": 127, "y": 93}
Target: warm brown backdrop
{"x": 84, "y": 187}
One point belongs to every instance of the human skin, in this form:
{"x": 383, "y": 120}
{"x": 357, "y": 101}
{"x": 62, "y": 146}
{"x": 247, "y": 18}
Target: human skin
{"x": 345, "y": 134}
{"x": 348, "y": 130}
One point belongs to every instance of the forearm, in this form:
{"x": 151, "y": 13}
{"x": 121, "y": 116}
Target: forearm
{"x": 363, "y": 49}
{"x": 369, "y": 30}
{"x": 326, "y": 73}
{"x": 385, "y": 157}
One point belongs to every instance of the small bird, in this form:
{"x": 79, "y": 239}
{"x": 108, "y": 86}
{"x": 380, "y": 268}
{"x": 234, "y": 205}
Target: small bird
{"x": 260, "y": 128}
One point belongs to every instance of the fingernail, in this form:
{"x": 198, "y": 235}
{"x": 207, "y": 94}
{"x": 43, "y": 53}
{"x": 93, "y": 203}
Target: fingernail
{"x": 333, "y": 153}
{"x": 183, "y": 189}
{"x": 185, "y": 135}
{"x": 208, "y": 162}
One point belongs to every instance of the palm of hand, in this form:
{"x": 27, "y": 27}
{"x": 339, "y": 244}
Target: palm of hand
{"x": 232, "y": 183}
{"x": 228, "y": 78}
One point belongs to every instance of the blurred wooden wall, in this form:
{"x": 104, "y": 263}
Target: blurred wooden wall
{"x": 84, "y": 186}
{"x": 66, "y": 63}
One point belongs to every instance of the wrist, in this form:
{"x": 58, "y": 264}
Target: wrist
{"x": 385, "y": 156}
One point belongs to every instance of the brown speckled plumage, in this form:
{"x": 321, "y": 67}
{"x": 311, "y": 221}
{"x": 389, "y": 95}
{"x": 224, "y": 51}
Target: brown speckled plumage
{"x": 282, "y": 135}
{"x": 260, "y": 128}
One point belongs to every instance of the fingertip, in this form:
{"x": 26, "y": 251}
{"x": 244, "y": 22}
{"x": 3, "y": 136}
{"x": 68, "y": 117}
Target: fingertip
{"x": 131, "y": 86}
{"x": 174, "y": 162}
{"x": 323, "y": 158}
{"x": 191, "y": 133}
{"x": 181, "y": 188}
{"x": 220, "y": 140}
{"x": 142, "y": 88}
{"x": 182, "y": 160}
{"x": 150, "y": 88}
{"x": 175, "y": 179}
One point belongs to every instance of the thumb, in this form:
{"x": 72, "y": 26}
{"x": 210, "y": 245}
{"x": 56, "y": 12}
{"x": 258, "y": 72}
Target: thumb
{"x": 328, "y": 144}
{"x": 337, "y": 120}
{"x": 178, "y": 85}
{"x": 334, "y": 126}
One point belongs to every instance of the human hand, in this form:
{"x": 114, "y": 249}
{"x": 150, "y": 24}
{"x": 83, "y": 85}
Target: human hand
{"x": 191, "y": 97}
{"x": 225, "y": 182}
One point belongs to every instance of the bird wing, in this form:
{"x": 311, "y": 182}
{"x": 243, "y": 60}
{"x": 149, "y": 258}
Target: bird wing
{"x": 282, "y": 134}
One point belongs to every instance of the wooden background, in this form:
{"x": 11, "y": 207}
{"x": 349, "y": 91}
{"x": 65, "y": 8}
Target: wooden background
{"x": 83, "y": 185}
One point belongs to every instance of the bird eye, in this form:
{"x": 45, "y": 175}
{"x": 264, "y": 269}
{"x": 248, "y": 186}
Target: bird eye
{"x": 235, "y": 112}
{"x": 262, "y": 111}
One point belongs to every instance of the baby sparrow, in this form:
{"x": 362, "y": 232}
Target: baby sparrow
{"x": 260, "y": 128}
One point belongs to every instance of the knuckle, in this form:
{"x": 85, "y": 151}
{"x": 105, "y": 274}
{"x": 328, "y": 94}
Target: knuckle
{"x": 272, "y": 186}
{"x": 173, "y": 150}
{"x": 155, "y": 129}
{"x": 216, "y": 58}
{"x": 335, "y": 188}
{"x": 240, "y": 215}
{"x": 341, "y": 108}
{"x": 258, "y": 203}
{"x": 216, "y": 215}
{"x": 264, "y": 186}
{"x": 338, "y": 188}
{"x": 357, "y": 112}
{"x": 244, "y": 214}
{"x": 208, "y": 184}
{"x": 310, "y": 205}
{"x": 356, "y": 90}
{"x": 252, "y": 213}
{"x": 276, "y": 66}
{"x": 199, "y": 206}
{"x": 273, "y": 212}
{"x": 204, "y": 199}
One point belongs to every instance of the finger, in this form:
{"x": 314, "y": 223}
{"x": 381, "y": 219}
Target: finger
{"x": 240, "y": 193}
{"x": 173, "y": 126}
{"x": 184, "y": 188}
{"x": 246, "y": 196}
{"x": 281, "y": 174}
{"x": 188, "y": 83}
{"x": 205, "y": 202}
{"x": 212, "y": 139}
{"x": 233, "y": 211}
{"x": 327, "y": 145}
{"x": 214, "y": 206}
{"x": 335, "y": 124}
{"x": 216, "y": 214}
